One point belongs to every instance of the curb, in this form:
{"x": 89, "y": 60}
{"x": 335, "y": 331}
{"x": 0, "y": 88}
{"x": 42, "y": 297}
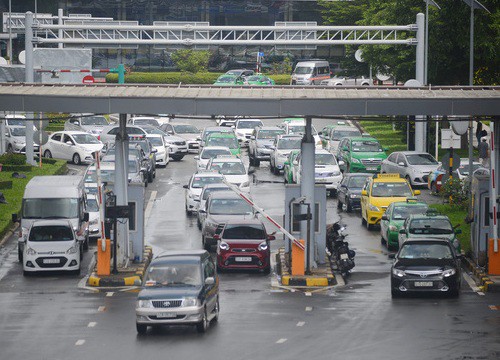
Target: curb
{"x": 484, "y": 282}
{"x": 317, "y": 280}
{"x": 129, "y": 277}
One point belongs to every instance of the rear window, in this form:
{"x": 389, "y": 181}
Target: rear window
{"x": 402, "y": 212}
{"x": 431, "y": 226}
{"x": 289, "y": 144}
{"x": 51, "y": 233}
{"x": 230, "y": 207}
{"x": 244, "y": 232}
{"x": 366, "y": 146}
{"x": 200, "y": 181}
{"x": 425, "y": 251}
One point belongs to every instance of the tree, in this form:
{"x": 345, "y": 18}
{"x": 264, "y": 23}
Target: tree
{"x": 191, "y": 60}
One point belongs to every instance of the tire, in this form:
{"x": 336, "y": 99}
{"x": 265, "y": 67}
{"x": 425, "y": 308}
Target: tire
{"x": 216, "y": 311}
{"x": 369, "y": 226}
{"x": 19, "y": 253}
{"x": 267, "y": 270}
{"x": 86, "y": 243}
{"x": 395, "y": 294}
{"x": 348, "y": 206}
{"x": 363, "y": 221}
{"x": 454, "y": 293}
{"x": 150, "y": 177}
{"x": 188, "y": 212}
{"x": 276, "y": 171}
{"x": 141, "y": 328}
{"x": 177, "y": 157}
{"x": 198, "y": 223}
{"x": 382, "y": 240}
{"x": 76, "y": 159}
{"x": 47, "y": 154}
{"x": 250, "y": 160}
{"x": 10, "y": 149}
{"x": 271, "y": 167}
{"x": 202, "y": 326}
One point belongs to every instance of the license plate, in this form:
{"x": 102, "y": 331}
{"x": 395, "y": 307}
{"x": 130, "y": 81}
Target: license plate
{"x": 51, "y": 261}
{"x": 371, "y": 168}
{"x": 320, "y": 180}
{"x": 423, "y": 284}
{"x": 243, "y": 259}
{"x": 166, "y": 315}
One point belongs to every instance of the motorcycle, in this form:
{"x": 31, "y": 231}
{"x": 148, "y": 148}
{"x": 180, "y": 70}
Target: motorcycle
{"x": 338, "y": 249}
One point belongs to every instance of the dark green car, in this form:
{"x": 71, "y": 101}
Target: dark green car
{"x": 258, "y": 79}
{"x": 394, "y": 218}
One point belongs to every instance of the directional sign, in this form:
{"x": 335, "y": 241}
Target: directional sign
{"x": 445, "y": 160}
{"x": 89, "y": 79}
{"x": 40, "y": 138}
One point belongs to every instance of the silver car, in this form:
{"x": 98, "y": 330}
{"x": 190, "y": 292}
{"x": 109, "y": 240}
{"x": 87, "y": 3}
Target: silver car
{"x": 413, "y": 165}
{"x": 282, "y": 146}
{"x": 261, "y": 142}
{"x": 15, "y": 140}
{"x": 93, "y": 124}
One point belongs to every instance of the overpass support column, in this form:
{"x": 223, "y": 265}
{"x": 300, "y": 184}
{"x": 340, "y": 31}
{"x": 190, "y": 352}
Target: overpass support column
{"x": 121, "y": 187}
{"x": 307, "y": 191}
{"x": 420, "y": 124}
{"x": 29, "y": 78}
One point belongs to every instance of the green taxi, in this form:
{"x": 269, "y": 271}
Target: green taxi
{"x": 360, "y": 154}
{"x": 259, "y": 80}
{"x": 394, "y": 217}
{"x": 290, "y": 168}
{"x": 229, "y": 80}
{"x": 224, "y": 139}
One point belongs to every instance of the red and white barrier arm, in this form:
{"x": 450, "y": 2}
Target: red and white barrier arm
{"x": 494, "y": 190}
{"x": 100, "y": 199}
{"x": 263, "y": 213}
{"x": 74, "y": 71}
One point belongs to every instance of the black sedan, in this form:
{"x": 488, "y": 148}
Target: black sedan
{"x": 349, "y": 190}
{"x": 426, "y": 265}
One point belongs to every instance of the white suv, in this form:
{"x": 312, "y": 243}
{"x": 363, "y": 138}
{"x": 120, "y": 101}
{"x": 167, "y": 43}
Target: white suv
{"x": 233, "y": 170}
{"x": 196, "y": 184}
{"x": 243, "y": 128}
{"x": 326, "y": 170}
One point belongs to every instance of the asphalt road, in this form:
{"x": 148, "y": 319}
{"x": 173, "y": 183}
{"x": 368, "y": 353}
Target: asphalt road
{"x": 51, "y": 317}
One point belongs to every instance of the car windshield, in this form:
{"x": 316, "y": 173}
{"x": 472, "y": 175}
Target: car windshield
{"x": 464, "y": 170}
{"x": 92, "y": 205}
{"x": 229, "y": 168}
{"x": 366, "y": 146}
{"x": 153, "y": 130}
{"x": 269, "y": 134}
{"x": 402, "y": 212}
{"x": 248, "y": 124}
{"x": 226, "y": 79}
{"x": 132, "y": 150}
{"x": 230, "y": 207}
{"x": 51, "y": 233}
{"x": 230, "y": 141}
{"x": 356, "y": 182}
{"x": 200, "y": 181}
{"x": 208, "y": 191}
{"x": 391, "y": 190}
{"x": 85, "y": 139}
{"x": 244, "y": 232}
{"x": 325, "y": 159}
{"x": 94, "y": 120}
{"x": 50, "y": 208}
{"x": 186, "y": 129}
{"x": 173, "y": 274}
{"x": 421, "y": 159}
{"x": 302, "y": 70}
{"x": 296, "y": 129}
{"x": 287, "y": 144}
{"x": 152, "y": 122}
{"x": 430, "y": 226}
{"x": 20, "y": 131}
{"x": 16, "y": 122}
{"x": 155, "y": 141}
{"x": 211, "y": 153}
{"x": 339, "y": 134}
{"x": 425, "y": 251}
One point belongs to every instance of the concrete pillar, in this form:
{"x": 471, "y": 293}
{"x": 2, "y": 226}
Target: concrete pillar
{"x": 60, "y": 14}
{"x": 307, "y": 181}
{"x": 420, "y": 125}
{"x": 3, "y": 149}
{"x": 29, "y": 78}
{"x": 120, "y": 189}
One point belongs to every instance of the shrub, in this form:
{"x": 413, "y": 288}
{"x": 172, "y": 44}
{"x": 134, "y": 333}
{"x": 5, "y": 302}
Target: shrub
{"x": 190, "y": 60}
{"x": 457, "y": 191}
{"x": 12, "y": 159}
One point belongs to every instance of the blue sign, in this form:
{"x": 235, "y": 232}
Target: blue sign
{"x": 261, "y": 54}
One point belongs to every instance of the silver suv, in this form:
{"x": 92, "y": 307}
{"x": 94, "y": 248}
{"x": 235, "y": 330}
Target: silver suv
{"x": 261, "y": 142}
{"x": 282, "y": 146}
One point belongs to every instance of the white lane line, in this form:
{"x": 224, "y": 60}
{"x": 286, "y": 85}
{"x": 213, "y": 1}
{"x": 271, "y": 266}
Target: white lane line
{"x": 149, "y": 207}
{"x": 92, "y": 324}
{"x": 472, "y": 284}
{"x": 281, "y": 341}
{"x": 301, "y": 323}
{"x": 101, "y": 308}
{"x": 109, "y": 293}
{"x": 80, "y": 342}
{"x": 309, "y": 308}
{"x": 308, "y": 293}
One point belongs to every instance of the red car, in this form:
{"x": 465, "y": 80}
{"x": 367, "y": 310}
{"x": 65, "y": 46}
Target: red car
{"x": 244, "y": 244}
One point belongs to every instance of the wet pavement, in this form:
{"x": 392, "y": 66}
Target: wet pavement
{"x": 51, "y": 317}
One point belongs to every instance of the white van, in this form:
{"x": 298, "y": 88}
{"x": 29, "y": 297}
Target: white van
{"x": 311, "y": 72}
{"x": 53, "y": 197}
{"x": 51, "y": 245}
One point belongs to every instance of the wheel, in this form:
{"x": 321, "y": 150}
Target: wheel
{"x": 382, "y": 240}
{"x": 348, "y": 206}
{"x": 271, "y": 167}
{"x": 198, "y": 223}
{"x": 267, "y": 270}
{"x": 76, "y": 159}
{"x": 216, "y": 311}
{"x": 276, "y": 171}
{"x": 339, "y": 204}
{"x": 250, "y": 160}
{"x": 47, "y": 154}
{"x": 363, "y": 221}
{"x": 188, "y": 212}
{"x": 369, "y": 226}
{"x": 86, "y": 243}
{"x": 177, "y": 157}
{"x": 454, "y": 293}
{"x": 202, "y": 326}
{"x": 150, "y": 177}
{"x": 286, "y": 178}
{"x": 141, "y": 328}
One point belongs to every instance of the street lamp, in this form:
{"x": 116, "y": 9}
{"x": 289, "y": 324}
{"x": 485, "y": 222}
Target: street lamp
{"x": 426, "y": 59}
{"x": 474, "y": 4}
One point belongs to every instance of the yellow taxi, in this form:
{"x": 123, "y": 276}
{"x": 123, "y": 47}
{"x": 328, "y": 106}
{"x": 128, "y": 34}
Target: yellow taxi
{"x": 379, "y": 192}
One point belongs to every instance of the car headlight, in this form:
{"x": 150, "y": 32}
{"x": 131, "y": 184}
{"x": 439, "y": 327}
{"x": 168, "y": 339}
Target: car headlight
{"x": 190, "y": 301}
{"x": 449, "y": 272}
{"x": 148, "y": 304}
{"x": 353, "y": 196}
{"x": 72, "y": 250}
{"x": 373, "y": 207}
{"x": 263, "y": 246}
{"x": 30, "y": 251}
{"x": 336, "y": 173}
{"x": 398, "y": 272}
{"x": 393, "y": 228}
{"x": 223, "y": 245}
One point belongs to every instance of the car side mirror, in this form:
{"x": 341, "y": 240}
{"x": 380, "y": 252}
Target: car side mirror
{"x": 364, "y": 193}
{"x": 185, "y": 186}
{"x": 210, "y": 281}
{"x": 153, "y": 151}
{"x": 417, "y": 192}
{"x": 86, "y": 216}
{"x": 15, "y": 218}
{"x": 401, "y": 163}
{"x": 341, "y": 163}
{"x": 384, "y": 217}
{"x": 402, "y": 231}
{"x": 69, "y": 143}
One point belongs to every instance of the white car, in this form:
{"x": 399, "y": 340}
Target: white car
{"x": 209, "y": 152}
{"x": 297, "y": 126}
{"x": 143, "y": 120}
{"x": 15, "y": 120}
{"x": 162, "y": 149}
{"x": 281, "y": 147}
{"x": 233, "y": 170}
{"x": 77, "y": 146}
{"x": 190, "y": 133}
{"x": 177, "y": 145}
{"x": 196, "y": 184}
{"x": 93, "y": 124}
{"x": 51, "y": 245}
{"x": 15, "y": 140}
{"x": 207, "y": 190}
{"x": 94, "y": 224}
{"x": 326, "y": 170}
{"x": 338, "y": 132}
{"x": 108, "y": 133}
{"x": 244, "y": 128}
{"x": 415, "y": 166}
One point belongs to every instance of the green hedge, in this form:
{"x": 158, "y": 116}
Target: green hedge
{"x": 17, "y": 168}
{"x": 180, "y": 77}
{"x": 12, "y": 159}
{"x": 7, "y": 184}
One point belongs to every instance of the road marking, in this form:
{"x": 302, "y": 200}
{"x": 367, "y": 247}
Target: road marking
{"x": 472, "y": 284}
{"x": 281, "y": 341}
{"x": 80, "y": 342}
{"x": 101, "y": 308}
{"x": 308, "y": 293}
{"x": 309, "y": 308}
{"x": 109, "y": 294}
{"x": 92, "y": 324}
{"x": 149, "y": 207}
{"x": 494, "y": 307}
{"x": 301, "y": 323}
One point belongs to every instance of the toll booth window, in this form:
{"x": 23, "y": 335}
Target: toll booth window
{"x": 132, "y": 216}
{"x": 486, "y": 211}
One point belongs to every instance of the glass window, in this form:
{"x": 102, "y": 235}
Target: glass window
{"x": 339, "y": 134}
{"x": 57, "y": 137}
{"x": 200, "y": 181}
{"x": 174, "y": 274}
{"x": 208, "y": 191}
{"x": 20, "y": 131}
{"x": 356, "y": 182}
{"x": 85, "y": 139}
{"x": 325, "y": 159}
{"x": 51, "y": 233}
{"x": 425, "y": 251}
{"x": 212, "y": 153}
{"x": 420, "y": 159}
{"x": 391, "y": 190}
{"x": 94, "y": 120}
{"x": 247, "y": 124}
{"x": 244, "y": 232}
{"x": 229, "y": 168}
{"x": 302, "y": 70}
{"x": 52, "y": 208}
{"x": 269, "y": 134}
{"x": 230, "y": 207}
{"x": 186, "y": 129}
{"x": 366, "y": 146}
{"x": 402, "y": 212}
{"x": 92, "y": 205}
{"x": 431, "y": 226}
{"x": 289, "y": 143}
